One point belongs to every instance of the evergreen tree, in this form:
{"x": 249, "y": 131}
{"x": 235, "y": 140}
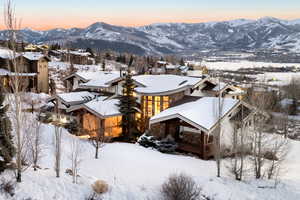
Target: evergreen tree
{"x": 130, "y": 61}
{"x": 7, "y": 149}
{"x": 182, "y": 62}
{"x": 128, "y": 108}
{"x": 89, "y": 50}
{"x": 103, "y": 65}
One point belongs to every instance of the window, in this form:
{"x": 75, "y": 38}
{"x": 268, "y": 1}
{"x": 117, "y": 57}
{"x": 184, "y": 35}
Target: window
{"x": 112, "y": 126}
{"x": 166, "y": 103}
{"x": 156, "y": 105}
{"x": 149, "y": 108}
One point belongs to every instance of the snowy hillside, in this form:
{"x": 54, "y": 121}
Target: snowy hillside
{"x": 136, "y": 173}
{"x": 164, "y": 38}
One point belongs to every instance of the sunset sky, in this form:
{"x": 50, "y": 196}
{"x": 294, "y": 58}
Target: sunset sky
{"x": 47, "y": 14}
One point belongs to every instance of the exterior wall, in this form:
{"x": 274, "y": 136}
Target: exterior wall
{"x": 43, "y": 76}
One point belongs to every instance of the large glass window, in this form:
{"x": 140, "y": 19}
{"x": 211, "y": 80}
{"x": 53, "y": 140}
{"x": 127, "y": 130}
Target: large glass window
{"x": 157, "y": 105}
{"x": 150, "y": 108}
{"x": 112, "y": 126}
{"x": 166, "y": 102}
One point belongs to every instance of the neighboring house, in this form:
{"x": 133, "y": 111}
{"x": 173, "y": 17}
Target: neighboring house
{"x": 79, "y": 57}
{"x": 32, "y": 67}
{"x": 101, "y": 81}
{"x": 99, "y": 113}
{"x": 91, "y": 112}
{"x": 194, "y": 124}
{"x": 213, "y": 89}
{"x": 158, "y": 92}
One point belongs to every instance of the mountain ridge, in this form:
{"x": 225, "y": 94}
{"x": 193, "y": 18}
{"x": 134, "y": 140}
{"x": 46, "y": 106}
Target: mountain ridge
{"x": 179, "y": 38}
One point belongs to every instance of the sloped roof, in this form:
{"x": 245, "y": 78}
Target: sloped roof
{"x": 98, "y": 79}
{"x": 101, "y": 107}
{"x": 202, "y": 113}
{"x": 154, "y": 84}
{"x": 33, "y": 55}
{"x": 76, "y": 96}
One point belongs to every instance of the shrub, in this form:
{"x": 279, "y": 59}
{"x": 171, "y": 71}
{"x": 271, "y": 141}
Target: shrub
{"x": 7, "y": 187}
{"x": 100, "y": 187}
{"x": 180, "y": 187}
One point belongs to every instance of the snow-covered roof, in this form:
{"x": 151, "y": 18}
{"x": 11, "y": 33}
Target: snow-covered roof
{"x": 77, "y": 53}
{"x": 220, "y": 86}
{"x": 155, "y": 84}
{"x": 72, "y": 97}
{"x": 202, "y": 113}
{"x": 101, "y": 106}
{"x": 7, "y": 53}
{"x": 4, "y": 72}
{"x": 33, "y": 55}
{"x": 98, "y": 79}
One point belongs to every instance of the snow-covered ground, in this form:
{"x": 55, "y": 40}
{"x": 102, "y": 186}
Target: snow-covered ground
{"x": 136, "y": 173}
{"x": 245, "y": 64}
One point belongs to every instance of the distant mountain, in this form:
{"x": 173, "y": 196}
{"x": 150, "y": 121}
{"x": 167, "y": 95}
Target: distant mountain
{"x": 167, "y": 38}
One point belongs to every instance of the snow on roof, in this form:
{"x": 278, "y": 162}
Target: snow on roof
{"x": 7, "y": 53}
{"x": 89, "y": 75}
{"x": 76, "y": 96}
{"x": 78, "y": 53}
{"x": 164, "y": 83}
{"x": 202, "y": 112}
{"x": 220, "y": 86}
{"x": 99, "y": 80}
{"x": 33, "y": 55}
{"x": 4, "y": 72}
{"x": 104, "y": 107}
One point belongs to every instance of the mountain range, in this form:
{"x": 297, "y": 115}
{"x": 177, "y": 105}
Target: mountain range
{"x": 179, "y": 38}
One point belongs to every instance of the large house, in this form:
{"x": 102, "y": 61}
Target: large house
{"x": 32, "y": 70}
{"x": 170, "y": 105}
{"x": 194, "y": 124}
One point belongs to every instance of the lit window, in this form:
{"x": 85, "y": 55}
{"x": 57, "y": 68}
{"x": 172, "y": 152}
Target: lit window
{"x": 156, "y": 105}
{"x": 166, "y": 103}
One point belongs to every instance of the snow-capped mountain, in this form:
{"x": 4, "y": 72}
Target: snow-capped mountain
{"x": 165, "y": 38}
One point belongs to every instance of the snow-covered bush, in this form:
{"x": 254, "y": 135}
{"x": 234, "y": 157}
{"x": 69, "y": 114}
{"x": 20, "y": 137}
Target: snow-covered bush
{"x": 7, "y": 187}
{"x": 166, "y": 145}
{"x": 180, "y": 187}
{"x": 100, "y": 187}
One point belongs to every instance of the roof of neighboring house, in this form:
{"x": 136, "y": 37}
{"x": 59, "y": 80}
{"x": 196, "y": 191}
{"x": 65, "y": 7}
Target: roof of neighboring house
{"x": 72, "y": 97}
{"x": 7, "y": 54}
{"x": 34, "y": 56}
{"x": 89, "y": 75}
{"x": 99, "y": 80}
{"x": 101, "y": 107}
{"x": 202, "y": 113}
{"x": 77, "y": 53}
{"x": 164, "y": 84}
{"x": 4, "y": 72}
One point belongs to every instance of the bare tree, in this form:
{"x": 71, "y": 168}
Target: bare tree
{"x": 99, "y": 140}
{"x": 35, "y": 143}
{"x": 218, "y": 110}
{"x": 57, "y": 150}
{"x": 75, "y": 157}
{"x": 16, "y": 85}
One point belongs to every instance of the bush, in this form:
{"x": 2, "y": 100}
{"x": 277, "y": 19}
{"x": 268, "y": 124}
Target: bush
{"x": 100, "y": 187}
{"x": 180, "y": 187}
{"x": 167, "y": 145}
{"x": 7, "y": 187}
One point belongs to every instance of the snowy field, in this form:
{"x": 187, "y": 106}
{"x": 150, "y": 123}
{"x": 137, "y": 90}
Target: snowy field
{"x": 136, "y": 173}
{"x": 244, "y": 64}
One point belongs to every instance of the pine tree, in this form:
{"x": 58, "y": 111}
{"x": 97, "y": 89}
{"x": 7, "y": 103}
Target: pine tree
{"x": 7, "y": 149}
{"x": 103, "y": 65}
{"x": 130, "y": 61}
{"x": 128, "y": 108}
{"x": 182, "y": 62}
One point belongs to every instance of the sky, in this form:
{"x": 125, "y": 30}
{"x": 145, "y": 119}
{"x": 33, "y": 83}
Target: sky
{"x": 47, "y": 14}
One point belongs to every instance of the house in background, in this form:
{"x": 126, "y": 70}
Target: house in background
{"x": 101, "y": 81}
{"x": 193, "y": 124}
{"x": 102, "y": 113}
{"x": 32, "y": 68}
